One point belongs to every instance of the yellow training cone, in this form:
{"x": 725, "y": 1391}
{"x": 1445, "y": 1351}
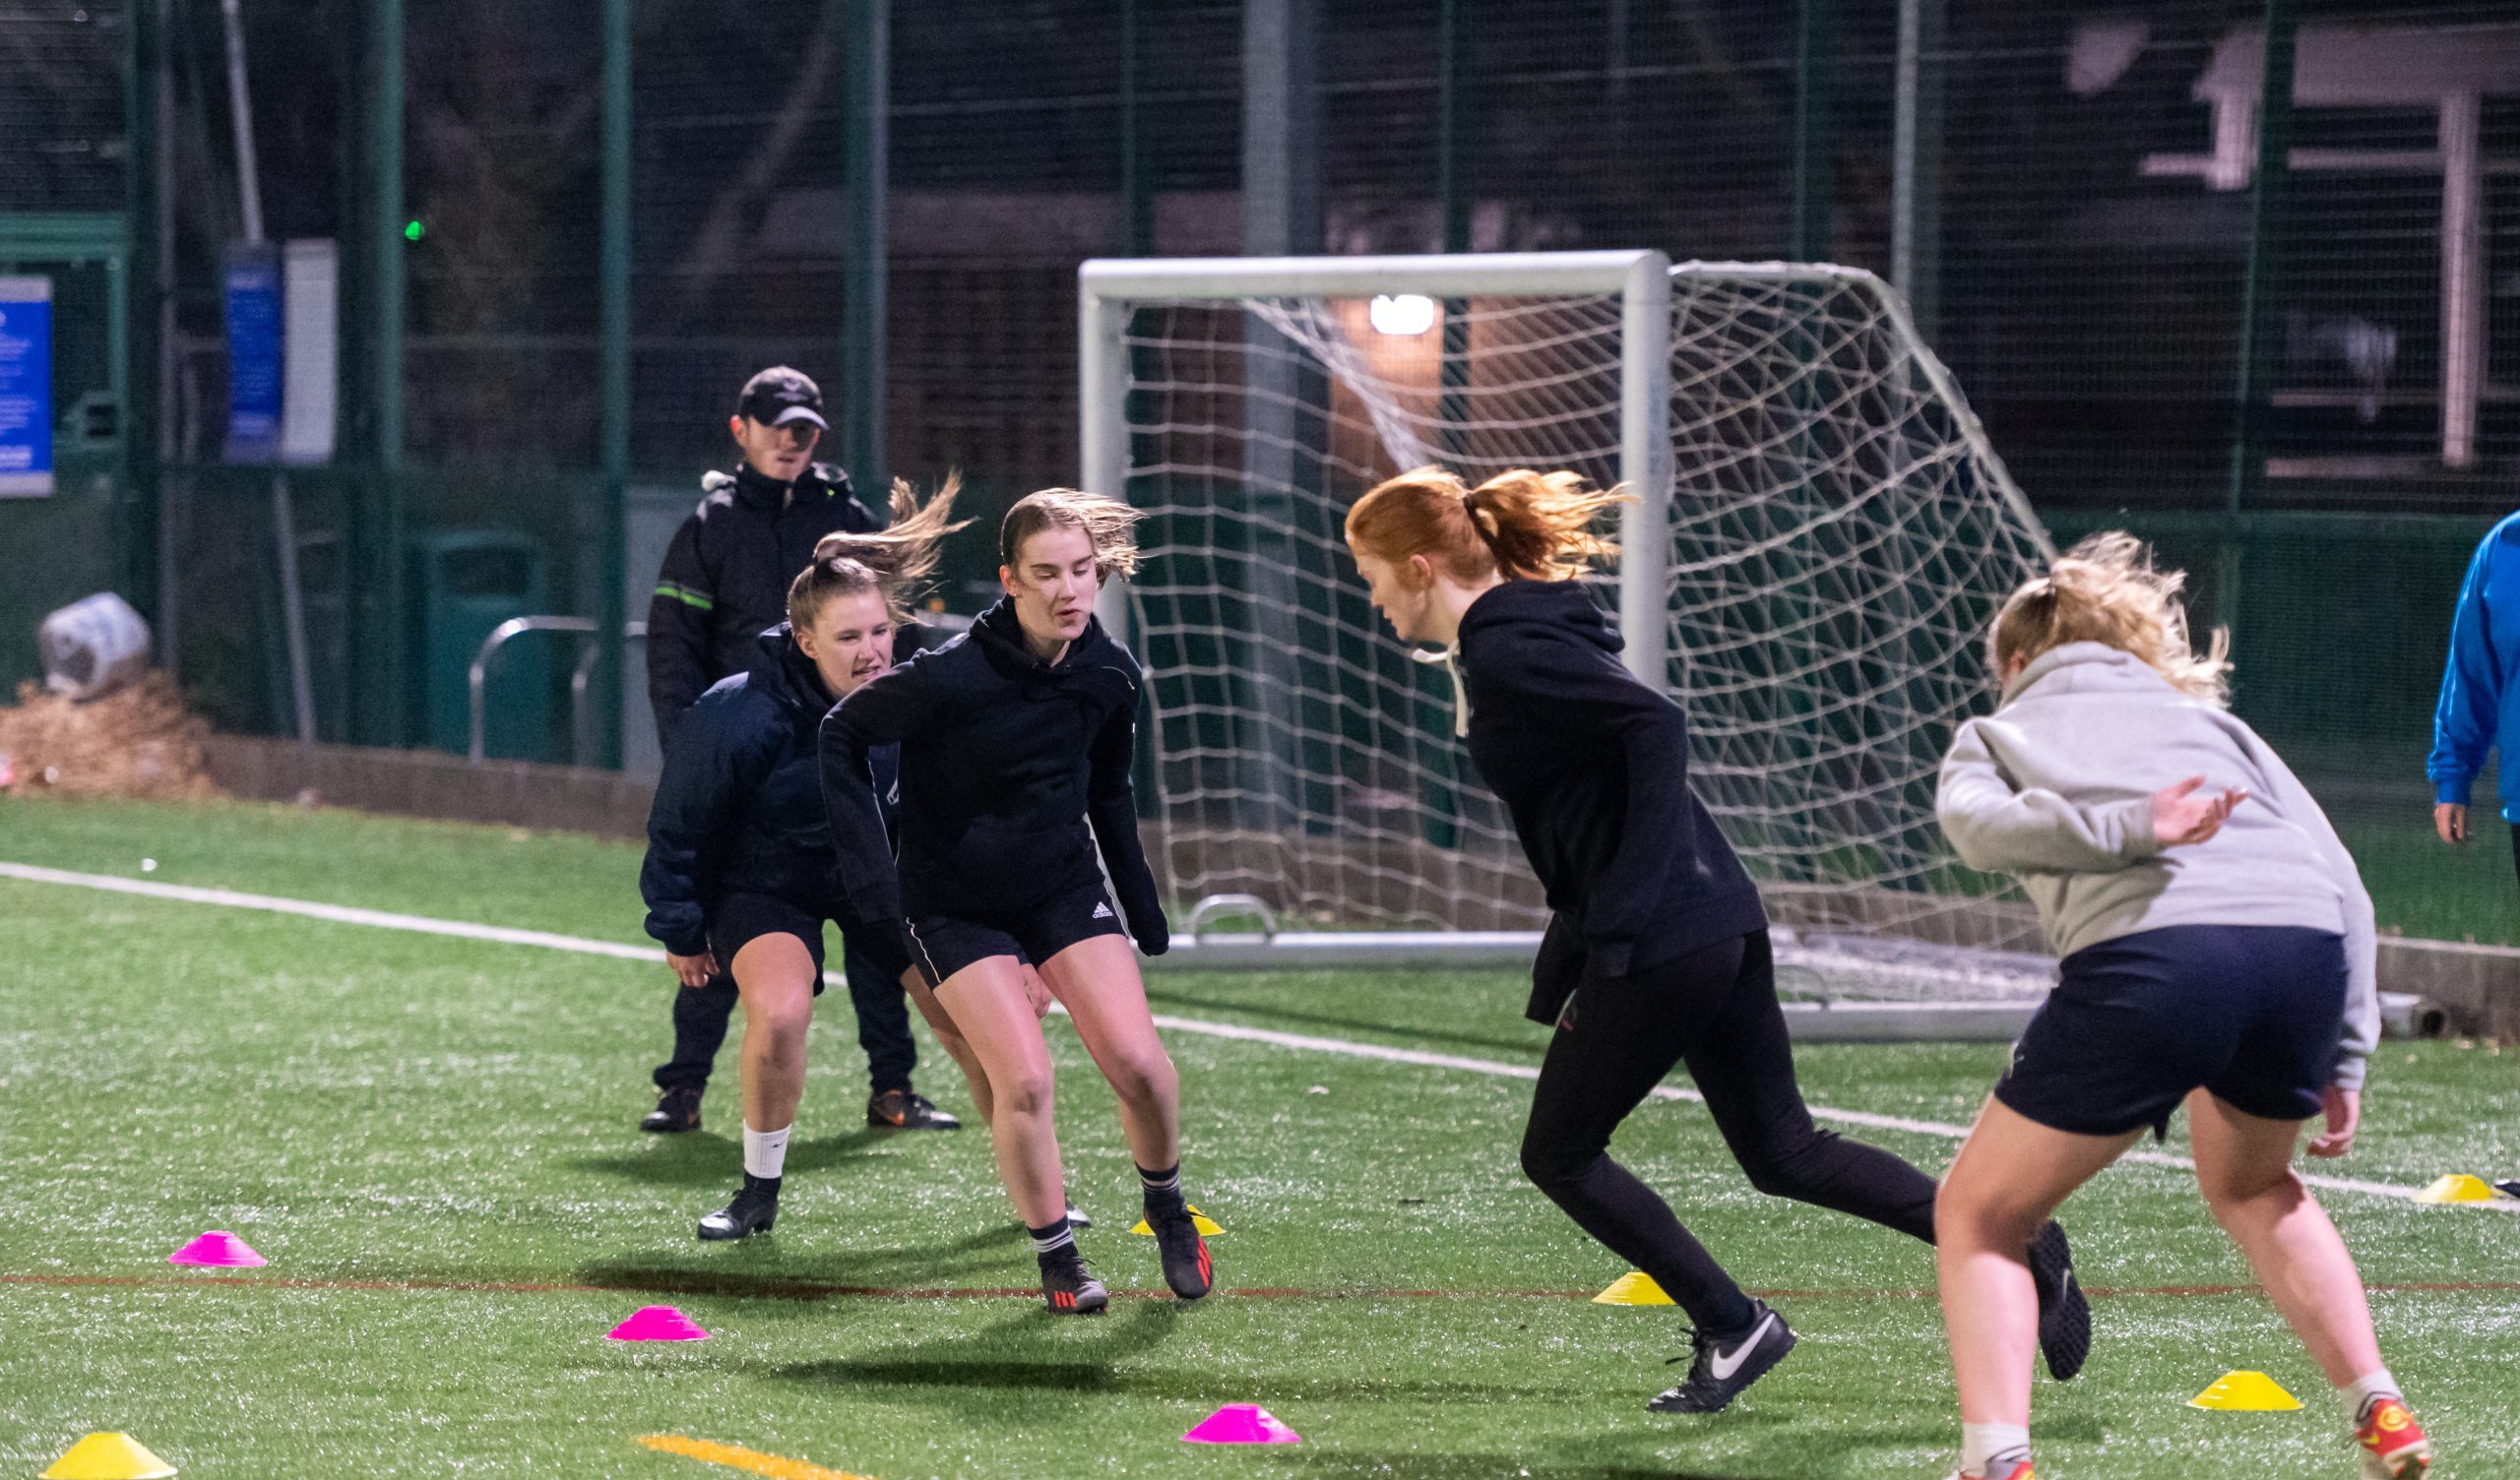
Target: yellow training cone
{"x": 108, "y": 1457}
{"x": 1199, "y": 1220}
{"x": 2458, "y": 1187}
{"x": 1633, "y": 1288}
{"x": 2245, "y": 1392}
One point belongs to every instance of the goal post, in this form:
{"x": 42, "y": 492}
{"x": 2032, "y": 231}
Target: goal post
{"x": 1821, "y": 536}
{"x": 1108, "y": 290}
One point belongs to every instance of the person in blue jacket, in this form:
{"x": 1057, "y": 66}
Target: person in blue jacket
{"x": 741, "y": 863}
{"x": 2479, "y": 706}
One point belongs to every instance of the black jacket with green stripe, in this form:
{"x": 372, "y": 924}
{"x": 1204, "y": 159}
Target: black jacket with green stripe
{"x": 726, "y": 577}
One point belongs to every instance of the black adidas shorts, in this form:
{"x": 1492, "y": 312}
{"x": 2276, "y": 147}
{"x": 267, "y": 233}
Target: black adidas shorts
{"x": 944, "y": 945}
{"x": 2251, "y": 1014}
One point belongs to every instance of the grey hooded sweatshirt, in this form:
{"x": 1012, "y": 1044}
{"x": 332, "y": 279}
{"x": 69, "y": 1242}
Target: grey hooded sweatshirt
{"x": 2056, "y": 788}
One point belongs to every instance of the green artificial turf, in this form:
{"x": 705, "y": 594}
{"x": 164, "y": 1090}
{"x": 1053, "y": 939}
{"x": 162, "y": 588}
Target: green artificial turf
{"x": 432, "y": 1141}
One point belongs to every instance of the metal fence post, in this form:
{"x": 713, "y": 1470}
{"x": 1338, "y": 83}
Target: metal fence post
{"x": 869, "y": 115}
{"x": 2269, "y": 189}
{"x": 1814, "y": 94}
{"x": 612, "y": 600}
{"x": 142, "y": 340}
{"x": 375, "y": 563}
{"x": 1915, "y": 163}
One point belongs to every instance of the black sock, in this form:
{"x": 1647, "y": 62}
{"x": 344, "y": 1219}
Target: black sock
{"x": 1163, "y": 1189}
{"x": 1053, "y": 1242}
{"x": 768, "y": 1184}
{"x": 1729, "y": 1334}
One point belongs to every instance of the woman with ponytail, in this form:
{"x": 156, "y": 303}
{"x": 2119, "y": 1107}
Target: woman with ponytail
{"x": 1657, "y": 950}
{"x": 741, "y": 859}
{"x": 2218, "y": 953}
{"x": 1015, "y": 805}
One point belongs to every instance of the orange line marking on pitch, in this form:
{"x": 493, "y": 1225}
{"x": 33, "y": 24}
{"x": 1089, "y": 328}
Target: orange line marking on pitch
{"x": 738, "y": 1457}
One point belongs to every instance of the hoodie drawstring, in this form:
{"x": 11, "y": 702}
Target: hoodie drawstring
{"x": 1450, "y": 657}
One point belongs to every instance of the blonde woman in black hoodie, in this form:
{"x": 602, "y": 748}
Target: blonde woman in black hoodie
{"x": 1657, "y": 950}
{"x": 1015, "y": 743}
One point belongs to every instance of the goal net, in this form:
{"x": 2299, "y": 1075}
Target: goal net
{"x": 1821, "y": 538}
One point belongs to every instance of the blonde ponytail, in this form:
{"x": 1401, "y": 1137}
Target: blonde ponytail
{"x": 893, "y": 560}
{"x": 2106, "y": 589}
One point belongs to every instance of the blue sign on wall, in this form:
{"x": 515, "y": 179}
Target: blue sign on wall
{"x": 254, "y": 382}
{"x": 26, "y": 387}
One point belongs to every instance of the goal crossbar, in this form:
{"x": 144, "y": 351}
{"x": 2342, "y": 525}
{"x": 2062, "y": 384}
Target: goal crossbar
{"x": 1641, "y": 279}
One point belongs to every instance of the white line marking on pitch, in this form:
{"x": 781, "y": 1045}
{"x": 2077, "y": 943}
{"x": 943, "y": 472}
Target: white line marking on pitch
{"x": 343, "y": 914}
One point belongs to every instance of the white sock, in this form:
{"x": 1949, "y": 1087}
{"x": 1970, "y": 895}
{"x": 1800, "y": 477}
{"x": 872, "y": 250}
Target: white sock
{"x": 766, "y": 1151}
{"x": 1983, "y": 1446}
{"x": 2363, "y": 1389}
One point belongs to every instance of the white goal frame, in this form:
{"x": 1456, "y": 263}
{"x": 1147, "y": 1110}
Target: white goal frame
{"x": 1640, "y": 280}
{"x": 1109, "y": 290}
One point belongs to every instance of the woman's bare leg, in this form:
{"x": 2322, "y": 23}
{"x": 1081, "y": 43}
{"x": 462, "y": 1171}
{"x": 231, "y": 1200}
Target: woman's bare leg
{"x": 950, "y": 1039}
{"x": 2244, "y": 1167}
{"x": 2010, "y": 1175}
{"x": 1096, "y": 980}
{"x": 775, "y": 977}
{"x": 987, "y": 1002}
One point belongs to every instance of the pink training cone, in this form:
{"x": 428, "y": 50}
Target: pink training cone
{"x": 658, "y": 1323}
{"x": 219, "y": 1248}
{"x": 1242, "y": 1423}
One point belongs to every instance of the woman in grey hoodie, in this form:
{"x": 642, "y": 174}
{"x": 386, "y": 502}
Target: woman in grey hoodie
{"x": 2217, "y": 950}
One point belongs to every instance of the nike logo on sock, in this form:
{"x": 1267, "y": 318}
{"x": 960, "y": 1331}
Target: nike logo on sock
{"x": 1724, "y": 1364}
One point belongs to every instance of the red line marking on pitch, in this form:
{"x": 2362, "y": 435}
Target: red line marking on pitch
{"x": 706, "y": 1286}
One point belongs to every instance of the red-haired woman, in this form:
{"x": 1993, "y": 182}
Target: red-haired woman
{"x": 1656, "y": 950}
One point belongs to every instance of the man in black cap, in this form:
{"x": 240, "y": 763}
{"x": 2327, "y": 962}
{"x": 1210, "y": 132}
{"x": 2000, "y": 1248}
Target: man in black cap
{"x": 725, "y": 582}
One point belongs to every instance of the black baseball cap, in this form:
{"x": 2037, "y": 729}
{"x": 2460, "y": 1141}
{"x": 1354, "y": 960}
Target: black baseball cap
{"x": 778, "y": 395}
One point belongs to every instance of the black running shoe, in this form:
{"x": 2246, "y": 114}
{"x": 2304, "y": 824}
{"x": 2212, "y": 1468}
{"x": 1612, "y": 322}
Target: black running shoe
{"x": 2510, "y": 1189}
{"x": 677, "y": 1109}
{"x": 907, "y": 1110}
{"x": 1719, "y": 1371}
{"x": 1076, "y": 1217}
{"x": 2064, "y": 1315}
{"x": 753, "y": 1212}
{"x": 1185, "y": 1254}
{"x": 1069, "y": 1288}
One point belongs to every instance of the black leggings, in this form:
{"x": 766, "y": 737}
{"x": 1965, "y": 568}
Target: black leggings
{"x": 1715, "y": 1011}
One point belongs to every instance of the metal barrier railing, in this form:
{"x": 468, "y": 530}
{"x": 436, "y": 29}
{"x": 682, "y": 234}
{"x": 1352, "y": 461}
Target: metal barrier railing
{"x": 580, "y": 676}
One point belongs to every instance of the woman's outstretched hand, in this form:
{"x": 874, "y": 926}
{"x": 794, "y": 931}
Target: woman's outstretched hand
{"x": 693, "y": 970}
{"x": 2344, "y": 1110}
{"x": 2184, "y": 814}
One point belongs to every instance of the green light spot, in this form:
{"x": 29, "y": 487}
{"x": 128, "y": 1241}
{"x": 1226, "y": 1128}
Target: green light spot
{"x": 414, "y": 231}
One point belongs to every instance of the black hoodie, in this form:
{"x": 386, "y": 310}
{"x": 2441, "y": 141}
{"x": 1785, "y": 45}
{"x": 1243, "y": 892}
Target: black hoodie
{"x": 1012, "y": 759}
{"x": 739, "y": 809}
{"x": 1592, "y": 766}
{"x": 725, "y": 575}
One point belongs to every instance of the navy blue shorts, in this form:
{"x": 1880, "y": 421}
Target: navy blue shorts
{"x": 943, "y": 945}
{"x": 2251, "y": 1014}
{"x": 741, "y": 918}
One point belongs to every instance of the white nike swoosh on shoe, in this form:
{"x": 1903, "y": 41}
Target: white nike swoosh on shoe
{"x": 1725, "y": 1364}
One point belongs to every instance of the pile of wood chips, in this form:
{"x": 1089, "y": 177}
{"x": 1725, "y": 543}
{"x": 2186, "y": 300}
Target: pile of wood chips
{"x": 137, "y": 742}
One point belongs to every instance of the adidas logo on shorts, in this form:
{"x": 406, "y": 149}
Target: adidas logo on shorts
{"x": 1102, "y": 911}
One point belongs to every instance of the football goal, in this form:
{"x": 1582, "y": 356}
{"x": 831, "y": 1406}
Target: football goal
{"x": 1821, "y": 536}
